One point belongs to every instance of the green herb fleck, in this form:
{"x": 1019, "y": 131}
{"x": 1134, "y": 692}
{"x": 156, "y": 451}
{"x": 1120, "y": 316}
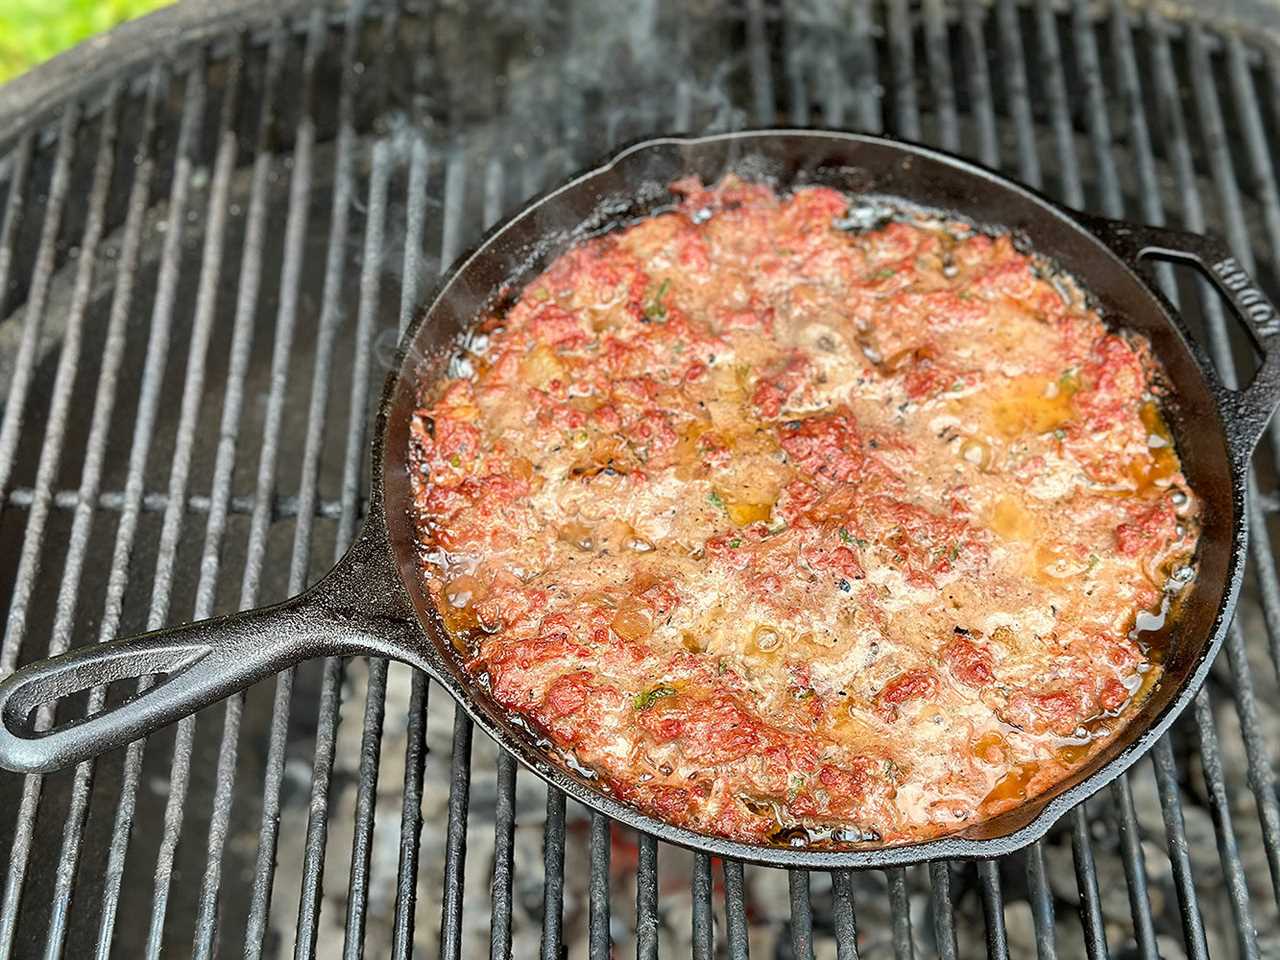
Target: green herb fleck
{"x": 455, "y": 460}
{"x": 735, "y": 543}
{"x": 541, "y": 294}
{"x": 714, "y": 499}
{"x": 957, "y": 386}
{"x": 845, "y": 536}
{"x": 647, "y": 699}
{"x": 720, "y": 667}
{"x": 1094, "y": 560}
{"x": 884, "y": 273}
{"x": 954, "y": 554}
{"x": 806, "y": 693}
{"x": 655, "y": 309}
{"x": 1059, "y": 434}
{"x": 776, "y": 527}
{"x": 1070, "y": 380}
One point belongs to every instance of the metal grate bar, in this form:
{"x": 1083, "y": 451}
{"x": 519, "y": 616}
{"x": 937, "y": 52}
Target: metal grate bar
{"x": 795, "y": 67}
{"x": 1086, "y": 55}
{"x": 295, "y": 233}
{"x": 761, "y": 69}
{"x": 1178, "y": 147}
{"x": 1095, "y": 938}
{"x": 1215, "y": 143}
{"x": 460, "y": 764}
{"x": 415, "y": 756}
{"x": 1139, "y": 136}
{"x": 735, "y": 911}
{"x": 416, "y": 726}
{"x": 553, "y": 871}
{"x": 835, "y": 89}
{"x": 50, "y": 457}
{"x": 866, "y": 83}
{"x": 1228, "y": 849}
{"x": 904, "y": 947}
{"x": 942, "y": 80}
{"x": 503, "y": 858}
{"x": 843, "y": 916}
{"x": 704, "y": 942}
{"x": 1041, "y": 900}
{"x": 993, "y": 908}
{"x": 1015, "y": 77}
{"x": 366, "y": 802}
{"x": 1050, "y": 65}
{"x": 14, "y": 208}
{"x": 416, "y": 202}
{"x": 1135, "y": 869}
{"x": 647, "y": 899}
{"x": 1264, "y": 181}
{"x": 24, "y": 363}
{"x": 801, "y": 915}
{"x": 979, "y": 77}
{"x": 353, "y": 460}
{"x": 600, "y": 947}
{"x": 1264, "y": 563}
{"x": 455, "y": 855}
{"x": 902, "y": 62}
{"x": 232, "y": 405}
{"x": 944, "y": 921}
{"x": 1179, "y": 850}
{"x": 148, "y": 405}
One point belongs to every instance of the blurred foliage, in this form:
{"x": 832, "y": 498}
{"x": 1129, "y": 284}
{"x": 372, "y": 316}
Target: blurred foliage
{"x": 32, "y": 31}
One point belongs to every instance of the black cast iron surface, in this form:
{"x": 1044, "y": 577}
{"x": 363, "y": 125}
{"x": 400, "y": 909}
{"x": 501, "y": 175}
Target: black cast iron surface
{"x": 373, "y": 601}
{"x": 203, "y": 268}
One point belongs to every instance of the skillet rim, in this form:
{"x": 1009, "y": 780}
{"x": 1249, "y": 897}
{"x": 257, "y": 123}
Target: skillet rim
{"x": 945, "y": 847}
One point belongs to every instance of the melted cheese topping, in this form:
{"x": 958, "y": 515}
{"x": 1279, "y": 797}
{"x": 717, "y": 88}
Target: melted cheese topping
{"x": 793, "y": 531}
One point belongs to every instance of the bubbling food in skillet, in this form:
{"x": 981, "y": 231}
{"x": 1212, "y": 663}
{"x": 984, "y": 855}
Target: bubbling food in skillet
{"x": 792, "y": 519}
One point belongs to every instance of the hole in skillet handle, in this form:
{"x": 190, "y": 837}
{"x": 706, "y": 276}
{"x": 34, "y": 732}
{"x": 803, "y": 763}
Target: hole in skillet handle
{"x": 1247, "y": 410}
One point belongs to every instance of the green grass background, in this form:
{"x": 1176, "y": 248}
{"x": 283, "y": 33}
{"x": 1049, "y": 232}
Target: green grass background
{"x": 32, "y": 31}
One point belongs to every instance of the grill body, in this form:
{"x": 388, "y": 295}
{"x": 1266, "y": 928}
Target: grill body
{"x": 206, "y": 256}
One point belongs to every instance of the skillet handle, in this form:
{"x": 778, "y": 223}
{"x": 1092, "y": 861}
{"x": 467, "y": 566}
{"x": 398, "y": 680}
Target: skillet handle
{"x": 355, "y": 609}
{"x": 1247, "y": 410}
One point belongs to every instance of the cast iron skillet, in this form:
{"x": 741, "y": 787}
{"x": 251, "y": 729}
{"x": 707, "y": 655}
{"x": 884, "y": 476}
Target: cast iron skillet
{"x": 372, "y": 602}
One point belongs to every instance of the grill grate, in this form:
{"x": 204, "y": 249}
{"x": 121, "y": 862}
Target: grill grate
{"x": 207, "y": 264}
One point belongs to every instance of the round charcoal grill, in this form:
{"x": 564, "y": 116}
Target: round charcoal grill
{"x": 211, "y": 230}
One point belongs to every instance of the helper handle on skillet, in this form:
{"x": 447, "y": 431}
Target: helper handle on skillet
{"x": 1246, "y": 411}
{"x": 357, "y": 608}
